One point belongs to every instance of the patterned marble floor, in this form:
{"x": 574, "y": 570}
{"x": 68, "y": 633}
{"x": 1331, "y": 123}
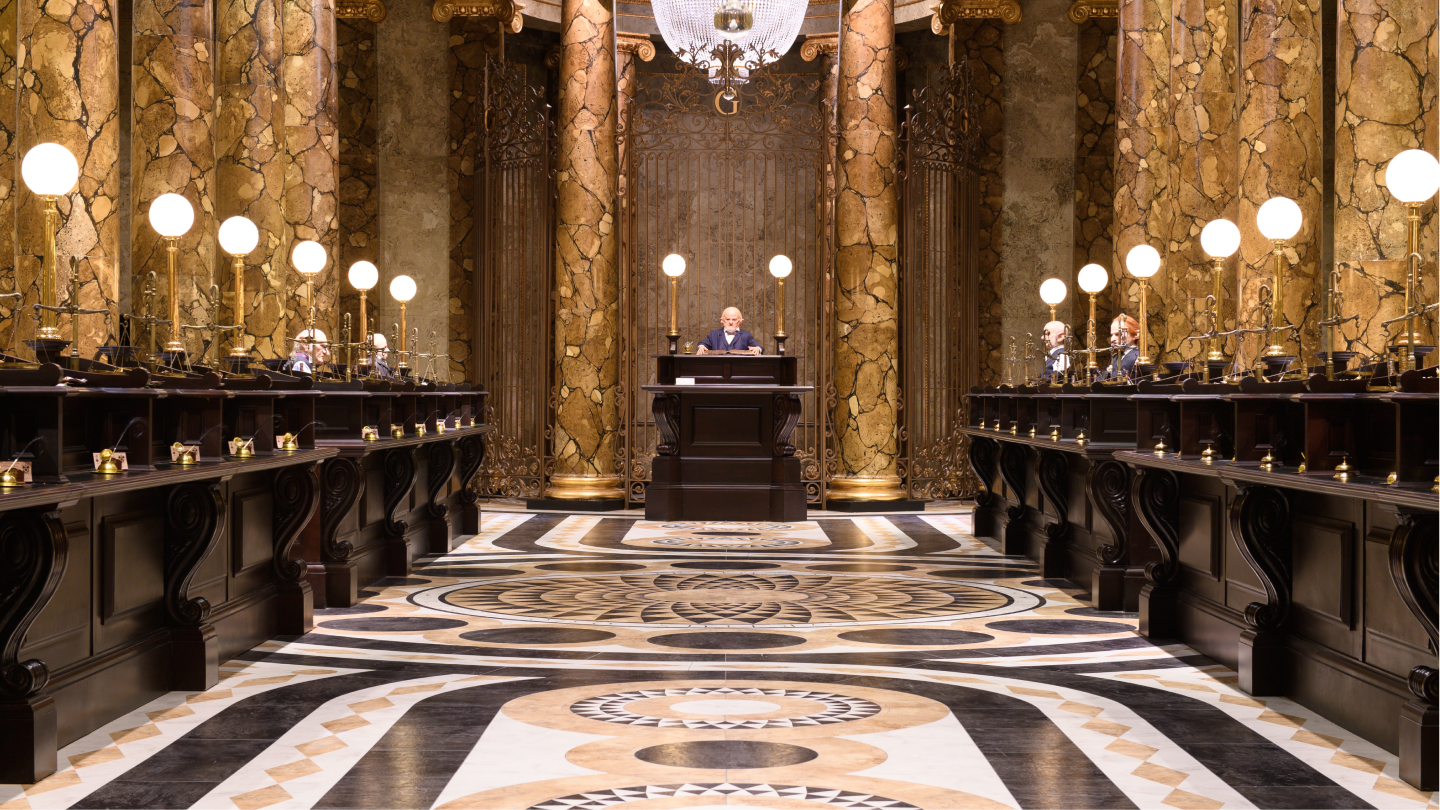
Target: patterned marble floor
{"x": 568, "y": 661}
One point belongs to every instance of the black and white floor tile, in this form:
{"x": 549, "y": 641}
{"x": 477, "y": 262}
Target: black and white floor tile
{"x": 569, "y": 662}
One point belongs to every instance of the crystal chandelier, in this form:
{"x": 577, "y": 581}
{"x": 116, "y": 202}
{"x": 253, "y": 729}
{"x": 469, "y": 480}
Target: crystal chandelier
{"x": 729, "y": 39}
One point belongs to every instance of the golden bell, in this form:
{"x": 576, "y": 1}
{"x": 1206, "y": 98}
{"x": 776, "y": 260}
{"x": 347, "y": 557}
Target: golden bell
{"x": 1032, "y": 431}
{"x": 242, "y": 448}
{"x": 397, "y": 431}
{"x": 1209, "y": 455}
{"x": 1055, "y": 434}
{"x": 288, "y": 442}
{"x": 1161, "y": 448}
{"x": 107, "y": 464}
{"x": 1343, "y": 470}
{"x": 369, "y": 434}
{"x": 1392, "y": 478}
{"x": 1081, "y": 440}
{"x": 12, "y": 478}
{"x": 183, "y": 455}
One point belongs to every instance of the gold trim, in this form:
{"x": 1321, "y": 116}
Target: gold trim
{"x": 871, "y": 488}
{"x": 950, "y": 12}
{"x": 372, "y": 10}
{"x": 1082, "y": 10}
{"x": 506, "y": 12}
{"x": 638, "y": 44}
{"x": 585, "y": 487}
{"x": 817, "y": 44}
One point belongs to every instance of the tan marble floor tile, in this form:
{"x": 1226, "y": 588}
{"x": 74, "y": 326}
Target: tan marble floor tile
{"x": 1281, "y": 719}
{"x": 1191, "y": 801}
{"x": 132, "y": 734}
{"x": 85, "y": 760}
{"x": 324, "y": 745}
{"x": 1242, "y": 701}
{"x": 16, "y": 804}
{"x": 345, "y": 724}
{"x": 1159, "y": 773}
{"x": 264, "y": 681}
{"x": 173, "y": 713}
{"x": 59, "y": 779}
{"x": 1322, "y": 740}
{"x": 292, "y": 770}
{"x": 1399, "y": 789}
{"x": 202, "y": 697}
{"x": 1080, "y": 708}
{"x": 374, "y": 704}
{"x": 1359, "y": 763}
{"x": 1131, "y": 749}
{"x": 1106, "y": 727}
{"x": 264, "y": 797}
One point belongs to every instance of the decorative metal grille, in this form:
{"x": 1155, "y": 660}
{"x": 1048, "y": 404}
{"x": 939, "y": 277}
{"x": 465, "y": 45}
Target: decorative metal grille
{"x": 727, "y": 192}
{"x": 939, "y": 274}
{"x": 513, "y": 315}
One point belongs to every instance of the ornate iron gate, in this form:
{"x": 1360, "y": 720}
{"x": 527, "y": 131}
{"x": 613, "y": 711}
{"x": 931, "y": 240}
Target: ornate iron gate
{"x": 727, "y": 192}
{"x": 939, "y": 274}
{"x": 514, "y": 268}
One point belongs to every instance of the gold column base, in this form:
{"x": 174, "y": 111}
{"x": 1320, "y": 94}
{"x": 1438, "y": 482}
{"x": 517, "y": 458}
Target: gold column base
{"x": 869, "y": 488}
{"x": 570, "y": 487}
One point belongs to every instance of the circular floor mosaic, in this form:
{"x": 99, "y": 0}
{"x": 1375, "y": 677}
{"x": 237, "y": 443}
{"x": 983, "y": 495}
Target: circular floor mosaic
{"x": 727, "y": 536}
{"x": 612, "y": 708}
{"x": 727, "y": 599}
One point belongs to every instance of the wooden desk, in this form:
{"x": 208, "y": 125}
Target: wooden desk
{"x": 725, "y": 451}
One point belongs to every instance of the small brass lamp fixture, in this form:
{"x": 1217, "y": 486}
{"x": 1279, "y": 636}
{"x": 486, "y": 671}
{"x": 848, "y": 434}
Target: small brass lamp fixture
{"x": 402, "y": 289}
{"x": 183, "y": 455}
{"x": 107, "y": 463}
{"x": 309, "y": 258}
{"x": 780, "y": 268}
{"x": 238, "y": 237}
{"x": 674, "y": 267}
{"x": 1052, "y": 292}
{"x": 397, "y": 431}
{"x": 11, "y": 478}
{"x": 288, "y": 443}
{"x": 242, "y": 448}
{"x": 363, "y": 277}
{"x": 171, "y": 215}
{"x": 1279, "y": 220}
{"x": 369, "y": 434}
{"x": 1092, "y": 279}
{"x": 1219, "y": 239}
{"x": 50, "y": 172}
{"x": 1412, "y": 177}
{"x": 1143, "y": 262}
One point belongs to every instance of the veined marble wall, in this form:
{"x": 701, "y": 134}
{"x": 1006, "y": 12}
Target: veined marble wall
{"x": 981, "y": 42}
{"x": 470, "y": 40}
{"x": 9, "y": 170}
{"x": 1094, "y": 163}
{"x": 358, "y": 172}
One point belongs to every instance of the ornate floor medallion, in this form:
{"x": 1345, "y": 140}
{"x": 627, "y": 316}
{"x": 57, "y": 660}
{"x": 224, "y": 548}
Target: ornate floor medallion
{"x": 727, "y": 599}
{"x": 725, "y": 536}
{"x": 612, "y": 708}
{"x": 607, "y": 798}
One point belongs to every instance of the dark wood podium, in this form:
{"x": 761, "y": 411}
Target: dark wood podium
{"x": 724, "y": 451}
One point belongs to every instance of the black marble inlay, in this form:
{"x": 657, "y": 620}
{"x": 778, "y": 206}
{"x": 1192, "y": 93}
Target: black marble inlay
{"x": 726, "y": 534}
{"x": 536, "y": 635}
{"x": 717, "y": 754}
{"x": 350, "y": 611}
{"x": 721, "y": 565}
{"x": 861, "y": 568}
{"x": 726, "y": 641}
{"x": 461, "y": 572}
{"x": 1058, "y": 584}
{"x": 367, "y": 594}
{"x": 980, "y": 573}
{"x": 918, "y": 636}
{"x": 1059, "y": 627}
{"x": 393, "y": 624}
{"x": 590, "y": 566}
{"x": 396, "y": 582}
{"x": 1103, "y": 614}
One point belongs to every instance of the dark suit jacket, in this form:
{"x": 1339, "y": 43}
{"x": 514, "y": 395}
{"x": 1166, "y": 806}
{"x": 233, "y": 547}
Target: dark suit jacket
{"x": 1122, "y": 364}
{"x": 1050, "y": 358}
{"x": 715, "y": 341}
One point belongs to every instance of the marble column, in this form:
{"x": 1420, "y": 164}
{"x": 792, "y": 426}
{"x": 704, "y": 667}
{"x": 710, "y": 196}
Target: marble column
{"x": 357, "y": 182}
{"x": 867, "y": 293}
{"x": 1039, "y": 197}
{"x": 173, "y": 150}
{"x": 413, "y": 149}
{"x": 825, "y": 48}
{"x": 1143, "y": 197}
{"x": 68, "y": 93}
{"x": 1280, "y": 155}
{"x": 311, "y": 157}
{"x": 1202, "y": 169}
{"x": 586, "y": 246}
{"x": 1385, "y": 103}
{"x": 9, "y": 170}
{"x": 250, "y": 165}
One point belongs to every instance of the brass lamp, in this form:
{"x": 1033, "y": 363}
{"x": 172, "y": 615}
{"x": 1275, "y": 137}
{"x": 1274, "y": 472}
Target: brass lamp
{"x": 363, "y": 277}
{"x": 1412, "y": 177}
{"x": 1052, "y": 292}
{"x": 1143, "y": 262}
{"x": 238, "y": 236}
{"x": 171, "y": 215}
{"x": 309, "y": 258}
{"x": 674, "y": 267}
{"x": 1092, "y": 279}
{"x": 1279, "y": 219}
{"x": 402, "y": 289}
{"x": 50, "y": 172}
{"x": 780, "y": 268}
{"x": 1220, "y": 239}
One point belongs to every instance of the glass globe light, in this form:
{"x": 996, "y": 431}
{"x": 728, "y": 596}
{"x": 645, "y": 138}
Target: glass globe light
{"x": 171, "y": 215}
{"x": 364, "y": 275}
{"x": 781, "y": 266}
{"x": 1142, "y": 261}
{"x": 402, "y": 288}
{"x": 1220, "y": 239}
{"x": 673, "y": 265}
{"x": 308, "y": 257}
{"x": 1052, "y": 291}
{"x": 238, "y": 236}
{"x": 1093, "y": 278}
{"x": 1412, "y": 176}
{"x": 1279, "y": 218}
{"x": 49, "y": 170}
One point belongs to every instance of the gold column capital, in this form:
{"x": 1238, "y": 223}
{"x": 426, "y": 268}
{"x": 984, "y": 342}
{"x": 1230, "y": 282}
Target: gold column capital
{"x": 949, "y": 12}
{"x": 816, "y": 45}
{"x": 505, "y": 12}
{"x": 372, "y": 10}
{"x": 637, "y": 44}
{"x": 1082, "y": 10}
